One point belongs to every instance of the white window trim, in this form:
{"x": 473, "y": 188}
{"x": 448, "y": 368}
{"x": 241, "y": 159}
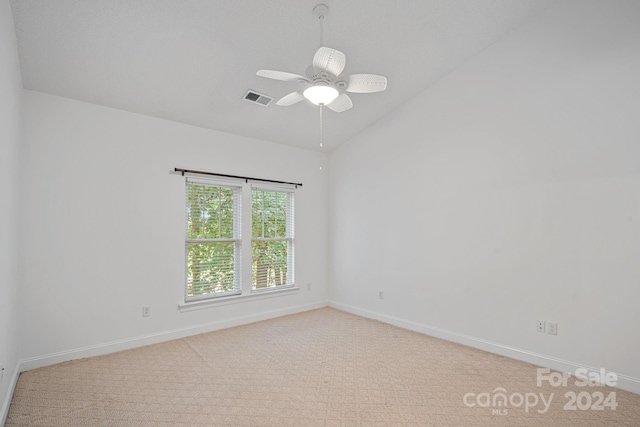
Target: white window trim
{"x": 236, "y": 299}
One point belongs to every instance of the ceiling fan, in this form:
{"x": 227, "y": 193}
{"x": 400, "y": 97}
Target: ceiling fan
{"x": 324, "y": 85}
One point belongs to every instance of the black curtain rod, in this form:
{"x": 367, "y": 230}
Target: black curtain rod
{"x": 245, "y": 178}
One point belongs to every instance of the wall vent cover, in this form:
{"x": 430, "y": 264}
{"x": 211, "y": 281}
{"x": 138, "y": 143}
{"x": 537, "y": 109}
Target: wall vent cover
{"x": 258, "y": 98}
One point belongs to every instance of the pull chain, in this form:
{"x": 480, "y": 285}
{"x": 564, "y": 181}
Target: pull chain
{"x": 321, "y": 136}
{"x": 319, "y": 11}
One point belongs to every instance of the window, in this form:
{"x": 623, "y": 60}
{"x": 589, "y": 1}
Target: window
{"x": 212, "y": 240}
{"x": 215, "y": 247}
{"x": 272, "y": 243}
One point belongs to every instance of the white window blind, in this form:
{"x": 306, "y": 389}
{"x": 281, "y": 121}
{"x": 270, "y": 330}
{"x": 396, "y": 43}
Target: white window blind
{"x": 213, "y": 237}
{"x": 273, "y": 240}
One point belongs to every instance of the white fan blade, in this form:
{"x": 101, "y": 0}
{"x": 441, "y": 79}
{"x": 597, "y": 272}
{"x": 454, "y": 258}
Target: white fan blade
{"x": 365, "y": 83}
{"x": 292, "y": 98}
{"x": 282, "y": 75}
{"x": 341, "y": 103}
{"x": 330, "y": 60}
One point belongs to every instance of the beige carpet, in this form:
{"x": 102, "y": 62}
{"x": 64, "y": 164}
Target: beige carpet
{"x": 319, "y": 368}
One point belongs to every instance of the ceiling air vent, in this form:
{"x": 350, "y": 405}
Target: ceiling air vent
{"x": 258, "y": 98}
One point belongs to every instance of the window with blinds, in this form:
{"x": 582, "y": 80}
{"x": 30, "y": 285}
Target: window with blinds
{"x": 213, "y": 239}
{"x": 272, "y": 243}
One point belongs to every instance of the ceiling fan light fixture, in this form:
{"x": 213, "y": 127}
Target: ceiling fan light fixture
{"x": 321, "y": 94}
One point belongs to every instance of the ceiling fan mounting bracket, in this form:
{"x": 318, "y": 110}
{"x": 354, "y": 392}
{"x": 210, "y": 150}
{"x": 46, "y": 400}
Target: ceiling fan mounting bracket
{"x": 321, "y": 10}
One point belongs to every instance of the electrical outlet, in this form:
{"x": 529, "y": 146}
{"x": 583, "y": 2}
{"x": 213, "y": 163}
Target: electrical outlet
{"x": 308, "y": 286}
{"x": 540, "y": 324}
{"x": 552, "y": 328}
{"x": 146, "y": 311}
{"x": 381, "y": 295}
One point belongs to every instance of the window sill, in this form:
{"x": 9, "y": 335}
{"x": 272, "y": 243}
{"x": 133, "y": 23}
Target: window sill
{"x": 236, "y": 299}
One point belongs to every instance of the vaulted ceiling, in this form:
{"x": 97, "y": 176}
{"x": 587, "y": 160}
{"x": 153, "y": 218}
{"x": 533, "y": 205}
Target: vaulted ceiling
{"x": 192, "y": 61}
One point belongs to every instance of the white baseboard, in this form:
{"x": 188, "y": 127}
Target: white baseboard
{"x": 129, "y": 343}
{"x": 4, "y": 410}
{"x": 624, "y": 382}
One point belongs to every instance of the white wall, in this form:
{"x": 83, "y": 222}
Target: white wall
{"x": 507, "y": 192}
{"x": 10, "y": 134}
{"x": 103, "y": 227}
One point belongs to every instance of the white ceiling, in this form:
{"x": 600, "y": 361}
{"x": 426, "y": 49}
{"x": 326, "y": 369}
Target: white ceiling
{"x": 192, "y": 61}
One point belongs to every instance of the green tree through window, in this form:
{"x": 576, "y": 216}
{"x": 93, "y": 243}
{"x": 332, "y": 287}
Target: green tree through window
{"x": 272, "y": 243}
{"x": 212, "y": 240}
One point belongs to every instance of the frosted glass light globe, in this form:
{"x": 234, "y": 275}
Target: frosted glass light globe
{"x": 321, "y": 94}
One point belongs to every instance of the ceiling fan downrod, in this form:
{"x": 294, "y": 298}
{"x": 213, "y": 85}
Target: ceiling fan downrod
{"x": 320, "y": 11}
